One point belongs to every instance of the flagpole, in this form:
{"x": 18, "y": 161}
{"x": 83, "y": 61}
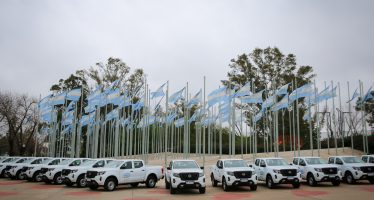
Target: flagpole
{"x": 350, "y": 117}
{"x": 334, "y": 118}
{"x": 166, "y": 124}
{"x": 298, "y": 120}
{"x": 204, "y": 104}
{"x": 316, "y": 107}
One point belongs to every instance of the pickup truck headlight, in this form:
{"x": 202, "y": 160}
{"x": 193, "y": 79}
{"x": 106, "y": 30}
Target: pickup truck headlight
{"x": 201, "y": 174}
{"x": 176, "y": 175}
{"x": 318, "y": 169}
{"x": 357, "y": 168}
{"x": 101, "y": 173}
{"x": 51, "y": 169}
{"x": 230, "y": 173}
{"x": 73, "y": 171}
{"x": 276, "y": 171}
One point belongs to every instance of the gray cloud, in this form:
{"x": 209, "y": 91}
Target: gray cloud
{"x": 180, "y": 41}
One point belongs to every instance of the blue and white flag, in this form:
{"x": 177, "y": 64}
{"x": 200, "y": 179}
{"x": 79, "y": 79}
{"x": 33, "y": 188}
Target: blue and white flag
{"x": 307, "y": 116}
{"x": 368, "y": 96}
{"x": 268, "y": 102}
{"x": 95, "y": 93}
{"x": 58, "y": 99}
{"x": 66, "y": 130}
{"x": 355, "y": 95}
{"x": 282, "y": 90}
{"x": 111, "y": 86}
{"x": 254, "y": 98}
{"x": 244, "y": 91}
{"x": 71, "y": 106}
{"x": 111, "y": 115}
{"x": 209, "y": 120}
{"x": 112, "y": 96}
{"x": 170, "y": 118}
{"x": 197, "y": 114}
{"x": 176, "y": 96}
{"x": 195, "y": 99}
{"x": 257, "y": 117}
{"x": 281, "y": 104}
{"x": 159, "y": 92}
{"x": 216, "y": 96}
{"x": 179, "y": 122}
{"x": 303, "y": 91}
{"x": 74, "y": 94}
{"x": 45, "y": 101}
{"x": 138, "y": 105}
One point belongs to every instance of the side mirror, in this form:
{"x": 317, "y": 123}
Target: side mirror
{"x": 262, "y": 165}
{"x": 202, "y": 167}
{"x": 250, "y": 165}
{"x": 168, "y": 168}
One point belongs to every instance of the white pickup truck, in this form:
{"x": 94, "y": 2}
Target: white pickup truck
{"x": 184, "y": 174}
{"x": 35, "y": 172}
{"x": 368, "y": 158}
{"x": 122, "y": 172}
{"x": 18, "y": 169}
{"x": 77, "y": 174}
{"x": 353, "y": 168}
{"x": 4, "y": 165}
{"x": 276, "y": 171}
{"x": 233, "y": 172}
{"x": 53, "y": 173}
{"x": 315, "y": 170}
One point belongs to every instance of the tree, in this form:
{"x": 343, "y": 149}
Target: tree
{"x": 368, "y": 108}
{"x": 269, "y": 69}
{"x": 18, "y": 122}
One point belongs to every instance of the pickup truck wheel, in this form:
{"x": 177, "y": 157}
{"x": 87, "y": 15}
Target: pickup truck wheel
{"x": 134, "y": 185}
{"x": 349, "y": 178}
{"x": 296, "y": 184}
{"x": 224, "y": 185}
{"x": 202, "y": 190}
{"x": 19, "y": 175}
{"x": 110, "y": 184}
{"x": 57, "y": 179}
{"x": 335, "y": 182}
{"x": 269, "y": 182}
{"x": 253, "y": 187}
{"x": 81, "y": 181}
{"x": 173, "y": 190}
{"x": 37, "y": 176}
{"x": 151, "y": 181}
{"x": 214, "y": 182}
{"x": 311, "y": 180}
{"x": 167, "y": 184}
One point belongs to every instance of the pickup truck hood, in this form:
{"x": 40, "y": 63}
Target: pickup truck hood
{"x": 57, "y": 166}
{"x": 187, "y": 171}
{"x": 78, "y": 167}
{"x": 323, "y": 166}
{"x": 101, "y": 169}
{"x": 282, "y": 167}
{"x": 235, "y": 169}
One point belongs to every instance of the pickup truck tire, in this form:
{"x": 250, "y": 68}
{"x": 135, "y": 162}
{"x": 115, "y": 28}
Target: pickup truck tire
{"x": 253, "y": 187}
{"x": 371, "y": 180}
{"x": 349, "y": 178}
{"x": 311, "y": 180}
{"x": 110, "y": 184}
{"x": 151, "y": 181}
{"x": 225, "y": 187}
{"x": 37, "y": 176}
{"x": 69, "y": 184}
{"x": 134, "y": 185}
{"x": 93, "y": 187}
{"x": 81, "y": 181}
{"x": 269, "y": 182}
{"x": 167, "y": 184}
{"x": 296, "y": 185}
{"x": 214, "y": 182}
{"x": 173, "y": 190}
{"x": 57, "y": 179}
{"x": 335, "y": 182}
{"x": 19, "y": 175}
{"x": 202, "y": 190}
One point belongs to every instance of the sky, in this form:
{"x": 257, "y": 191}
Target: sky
{"x": 181, "y": 41}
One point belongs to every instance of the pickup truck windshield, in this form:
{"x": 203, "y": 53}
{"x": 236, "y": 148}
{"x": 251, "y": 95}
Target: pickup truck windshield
{"x": 185, "y": 165}
{"x": 66, "y": 162}
{"x": 114, "y": 164}
{"x": 276, "y": 162}
{"x": 46, "y": 161}
{"x": 89, "y": 162}
{"x": 234, "y": 163}
{"x": 352, "y": 160}
{"x": 315, "y": 161}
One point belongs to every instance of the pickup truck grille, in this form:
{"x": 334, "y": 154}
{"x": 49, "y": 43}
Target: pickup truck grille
{"x": 43, "y": 170}
{"x": 243, "y": 174}
{"x": 189, "y": 176}
{"x": 24, "y": 169}
{"x": 330, "y": 170}
{"x": 91, "y": 174}
{"x": 288, "y": 172}
{"x": 367, "y": 169}
{"x": 65, "y": 172}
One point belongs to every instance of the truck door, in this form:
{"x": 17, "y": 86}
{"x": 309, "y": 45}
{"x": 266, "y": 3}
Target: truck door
{"x": 219, "y": 172}
{"x": 125, "y": 172}
{"x": 262, "y": 170}
{"x": 139, "y": 171}
{"x": 302, "y": 166}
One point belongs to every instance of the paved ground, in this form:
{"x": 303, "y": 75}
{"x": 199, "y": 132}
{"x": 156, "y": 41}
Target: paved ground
{"x": 15, "y": 190}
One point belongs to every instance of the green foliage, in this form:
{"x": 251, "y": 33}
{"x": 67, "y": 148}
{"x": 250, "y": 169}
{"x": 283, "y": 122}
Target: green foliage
{"x": 368, "y": 107}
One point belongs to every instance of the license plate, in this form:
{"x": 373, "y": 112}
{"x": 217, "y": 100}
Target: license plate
{"x": 88, "y": 179}
{"x": 189, "y": 182}
{"x": 290, "y": 178}
{"x": 243, "y": 180}
{"x": 332, "y": 176}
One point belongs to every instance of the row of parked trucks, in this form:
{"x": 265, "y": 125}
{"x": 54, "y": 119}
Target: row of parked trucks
{"x": 187, "y": 174}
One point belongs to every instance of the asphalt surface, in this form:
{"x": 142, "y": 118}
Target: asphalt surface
{"x": 16, "y": 189}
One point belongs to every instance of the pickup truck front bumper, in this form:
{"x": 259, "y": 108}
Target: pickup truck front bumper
{"x": 322, "y": 177}
{"x": 233, "y": 181}
{"x": 360, "y": 175}
{"x": 280, "y": 179}
{"x": 97, "y": 180}
{"x": 192, "y": 184}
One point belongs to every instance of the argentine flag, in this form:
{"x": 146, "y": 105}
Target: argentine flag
{"x": 74, "y": 94}
{"x": 254, "y": 98}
